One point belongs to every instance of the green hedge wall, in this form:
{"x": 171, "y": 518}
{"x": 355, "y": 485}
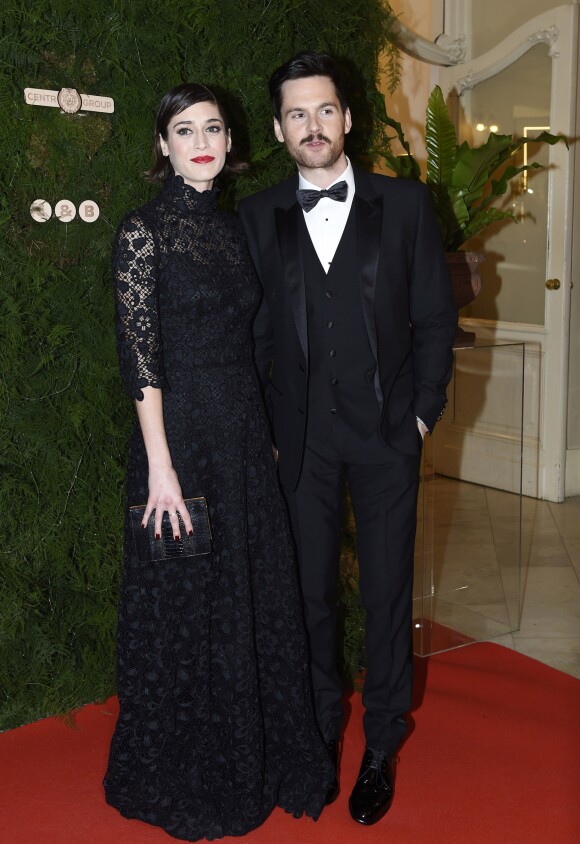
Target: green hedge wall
{"x": 64, "y": 420}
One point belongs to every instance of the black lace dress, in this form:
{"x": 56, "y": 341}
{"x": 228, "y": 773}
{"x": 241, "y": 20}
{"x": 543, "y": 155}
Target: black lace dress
{"x": 216, "y": 725}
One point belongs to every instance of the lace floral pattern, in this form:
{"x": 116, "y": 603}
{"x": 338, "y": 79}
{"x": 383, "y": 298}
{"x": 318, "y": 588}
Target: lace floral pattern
{"x": 216, "y": 725}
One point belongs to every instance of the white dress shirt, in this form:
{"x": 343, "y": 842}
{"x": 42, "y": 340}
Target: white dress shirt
{"x": 327, "y": 220}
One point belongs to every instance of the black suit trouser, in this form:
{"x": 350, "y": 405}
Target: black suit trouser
{"x": 383, "y": 486}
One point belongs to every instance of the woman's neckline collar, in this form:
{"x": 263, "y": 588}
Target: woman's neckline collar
{"x": 193, "y": 198}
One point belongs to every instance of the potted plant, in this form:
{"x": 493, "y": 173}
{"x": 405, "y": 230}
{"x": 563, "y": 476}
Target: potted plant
{"x": 464, "y": 181}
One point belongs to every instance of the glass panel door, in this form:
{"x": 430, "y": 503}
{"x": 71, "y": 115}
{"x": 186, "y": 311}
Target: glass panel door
{"x": 469, "y": 536}
{"x": 515, "y": 102}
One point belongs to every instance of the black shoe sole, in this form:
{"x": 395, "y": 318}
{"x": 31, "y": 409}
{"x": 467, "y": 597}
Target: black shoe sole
{"x": 378, "y": 815}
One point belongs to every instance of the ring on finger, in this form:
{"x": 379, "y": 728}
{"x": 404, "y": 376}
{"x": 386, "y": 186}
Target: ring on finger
{"x": 173, "y": 513}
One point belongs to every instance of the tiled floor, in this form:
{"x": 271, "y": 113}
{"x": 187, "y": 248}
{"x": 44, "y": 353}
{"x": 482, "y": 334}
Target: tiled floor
{"x": 467, "y": 577}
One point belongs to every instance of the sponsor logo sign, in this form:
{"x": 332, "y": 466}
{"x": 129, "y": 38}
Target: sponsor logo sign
{"x": 64, "y": 210}
{"x": 68, "y": 100}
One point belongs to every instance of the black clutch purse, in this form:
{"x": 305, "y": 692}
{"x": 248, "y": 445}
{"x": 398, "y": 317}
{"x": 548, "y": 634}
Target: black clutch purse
{"x": 148, "y": 548}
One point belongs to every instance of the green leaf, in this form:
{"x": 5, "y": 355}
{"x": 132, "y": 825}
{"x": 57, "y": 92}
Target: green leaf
{"x": 481, "y": 219}
{"x": 499, "y": 186}
{"x": 475, "y": 165}
{"x": 542, "y": 138}
{"x": 453, "y": 217}
{"x": 405, "y": 166}
{"x": 441, "y": 143}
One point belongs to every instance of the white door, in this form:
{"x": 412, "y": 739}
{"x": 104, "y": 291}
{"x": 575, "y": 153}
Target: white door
{"x": 525, "y": 82}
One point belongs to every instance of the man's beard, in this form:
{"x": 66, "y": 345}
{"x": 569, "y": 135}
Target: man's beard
{"x": 303, "y": 157}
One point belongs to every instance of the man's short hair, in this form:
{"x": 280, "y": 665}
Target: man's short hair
{"x": 301, "y": 66}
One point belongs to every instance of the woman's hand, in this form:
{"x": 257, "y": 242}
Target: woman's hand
{"x": 165, "y": 494}
{"x": 164, "y": 487}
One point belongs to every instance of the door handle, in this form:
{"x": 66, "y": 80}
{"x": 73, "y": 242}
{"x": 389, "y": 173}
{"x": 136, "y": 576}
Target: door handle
{"x": 553, "y": 284}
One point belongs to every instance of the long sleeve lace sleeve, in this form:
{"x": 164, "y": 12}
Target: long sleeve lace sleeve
{"x": 138, "y": 330}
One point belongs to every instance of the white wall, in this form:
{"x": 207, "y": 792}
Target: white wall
{"x": 493, "y": 20}
{"x": 573, "y": 427}
{"x": 408, "y": 103}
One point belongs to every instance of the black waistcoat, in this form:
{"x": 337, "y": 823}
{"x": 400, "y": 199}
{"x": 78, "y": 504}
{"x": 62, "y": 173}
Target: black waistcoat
{"x": 342, "y": 365}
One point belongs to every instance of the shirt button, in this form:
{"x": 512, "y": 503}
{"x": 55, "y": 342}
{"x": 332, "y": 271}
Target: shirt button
{"x": 333, "y": 410}
{"x": 328, "y": 294}
{"x": 334, "y": 382}
{"x": 329, "y": 324}
{"x": 332, "y": 353}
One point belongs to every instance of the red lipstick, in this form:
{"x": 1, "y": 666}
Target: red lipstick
{"x": 203, "y": 159}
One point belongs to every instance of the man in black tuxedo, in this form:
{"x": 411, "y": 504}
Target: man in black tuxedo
{"x": 354, "y": 347}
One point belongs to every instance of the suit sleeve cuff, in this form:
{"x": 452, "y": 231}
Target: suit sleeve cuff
{"x": 423, "y": 429}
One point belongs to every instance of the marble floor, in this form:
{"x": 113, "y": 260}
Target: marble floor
{"x": 468, "y": 585}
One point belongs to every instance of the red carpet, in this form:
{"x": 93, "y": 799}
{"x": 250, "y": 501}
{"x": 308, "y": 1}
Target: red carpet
{"x": 493, "y": 757}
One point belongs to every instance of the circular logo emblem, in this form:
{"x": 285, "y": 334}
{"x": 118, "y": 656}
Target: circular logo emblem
{"x": 65, "y": 210}
{"x": 40, "y": 210}
{"x": 69, "y": 100}
{"x": 89, "y": 211}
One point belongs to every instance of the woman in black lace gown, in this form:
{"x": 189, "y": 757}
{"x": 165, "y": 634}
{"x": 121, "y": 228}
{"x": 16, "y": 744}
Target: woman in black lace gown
{"x": 216, "y": 725}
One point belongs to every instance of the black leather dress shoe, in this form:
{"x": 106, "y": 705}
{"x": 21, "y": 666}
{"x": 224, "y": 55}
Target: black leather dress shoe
{"x": 374, "y": 789}
{"x": 332, "y": 793}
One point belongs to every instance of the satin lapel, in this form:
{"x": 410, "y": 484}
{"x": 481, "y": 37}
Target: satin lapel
{"x": 289, "y": 241}
{"x": 369, "y": 220}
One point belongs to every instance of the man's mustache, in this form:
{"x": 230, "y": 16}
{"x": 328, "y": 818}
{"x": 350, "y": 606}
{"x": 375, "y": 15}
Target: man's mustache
{"x": 318, "y": 137}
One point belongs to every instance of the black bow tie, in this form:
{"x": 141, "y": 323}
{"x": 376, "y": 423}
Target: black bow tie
{"x": 309, "y": 198}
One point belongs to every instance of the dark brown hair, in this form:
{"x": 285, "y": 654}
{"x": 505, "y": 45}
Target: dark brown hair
{"x": 174, "y": 102}
{"x": 301, "y": 66}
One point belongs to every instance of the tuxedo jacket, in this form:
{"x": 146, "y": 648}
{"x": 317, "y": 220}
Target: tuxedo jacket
{"x": 406, "y": 301}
